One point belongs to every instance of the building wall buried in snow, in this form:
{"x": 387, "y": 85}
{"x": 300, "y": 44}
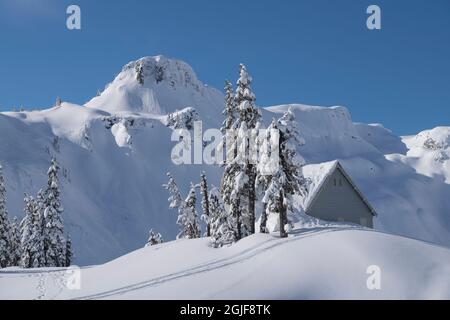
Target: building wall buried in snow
{"x": 337, "y": 200}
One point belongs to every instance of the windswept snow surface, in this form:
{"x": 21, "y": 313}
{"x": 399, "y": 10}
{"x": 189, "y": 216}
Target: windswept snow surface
{"x": 115, "y": 151}
{"x": 317, "y": 263}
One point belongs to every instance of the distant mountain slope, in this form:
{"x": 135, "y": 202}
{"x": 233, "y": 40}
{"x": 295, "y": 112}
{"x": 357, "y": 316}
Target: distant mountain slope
{"x": 114, "y": 155}
{"x": 319, "y": 263}
{"x": 429, "y": 153}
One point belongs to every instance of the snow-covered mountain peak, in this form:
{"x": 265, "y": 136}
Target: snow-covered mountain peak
{"x": 159, "y": 69}
{"x": 158, "y": 85}
{"x": 434, "y": 139}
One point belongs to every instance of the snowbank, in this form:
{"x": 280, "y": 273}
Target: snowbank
{"x": 321, "y": 263}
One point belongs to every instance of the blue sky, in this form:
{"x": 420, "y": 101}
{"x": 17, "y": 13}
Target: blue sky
{"x": 314, "y": 52}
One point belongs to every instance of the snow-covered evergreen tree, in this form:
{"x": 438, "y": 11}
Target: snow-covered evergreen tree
{"x": 233, "y": 195}
{"x": 31, "y": 241}
{"x": 175, "y": 199}
{"x": 249, "y": 117}
{"x": 222, "y": 224}
{"x": 15, "y": 249}
{"x": 154, "y": 238}
{"x": 139, "y": 68}
{"x": 245, "y": 100}
{"x": 5, "y": 242}
{"x": 53, "y": 226}
{"x": 288, "y": 179}
{"x": 230, "y": 108}
{"x": 206, "y": 216}
{"x": 238, "y": 181}
{"x": 187, "y": 218}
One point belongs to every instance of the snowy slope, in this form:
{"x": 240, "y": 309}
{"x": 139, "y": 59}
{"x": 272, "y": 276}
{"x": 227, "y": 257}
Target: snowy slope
{"x": 381, "y": 138}
{"x": 115, "y": 152}
{"x": 112, "y": 191}
{"x": 319, "y": 263}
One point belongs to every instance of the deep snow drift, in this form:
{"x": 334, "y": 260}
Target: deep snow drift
{"x": 314, "y": 263}
{"x": 115, "y": 151}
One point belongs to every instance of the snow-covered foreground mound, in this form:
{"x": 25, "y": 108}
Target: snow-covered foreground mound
{"x": 321, "y": 263}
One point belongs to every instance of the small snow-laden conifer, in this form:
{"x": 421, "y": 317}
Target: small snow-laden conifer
{"x": 187, "y": 218}
{"x": 5, "y": 241}
{"x": 31, "y": 241}
{"x": 175, "y": 199}
{"x": 154, "y": 238}
{"x": 291, "y": 161}
{"x": 139, "y": 69}
{"x": 183, "y": 119}
{"x": 206, "y": 216}
{"x": 15, "y": 249}
{"x": 53, "y": 226}
{"x": 222, "y": 224}
{"x": 288, "y": 180}
{"x": 230, "y": 197}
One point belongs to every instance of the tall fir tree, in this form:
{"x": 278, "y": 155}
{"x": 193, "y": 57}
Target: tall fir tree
{"x": 31, "y": 241}
{"x": 238, "y": 181}
{"x": 175, "y": 199}
{"x": 287, "y": 180}
{"x": 53, "y": 226}
{"x": 206, "y": 216}
{"x": 249, "y": 117}
{"x": 187, "y": 218}
{"x": 5, "y": 240}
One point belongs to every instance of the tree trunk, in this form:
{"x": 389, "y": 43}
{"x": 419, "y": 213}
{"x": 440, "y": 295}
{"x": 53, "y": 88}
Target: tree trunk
{"x": 263, "y": 225}
{"x": 251, "y": 197}
{"x": 238, "y": 221}
{"x": 283, "y": 217}
{"x": 208, "y": 225}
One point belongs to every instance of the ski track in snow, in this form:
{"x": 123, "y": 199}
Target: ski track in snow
{"x": 214, "y": 265}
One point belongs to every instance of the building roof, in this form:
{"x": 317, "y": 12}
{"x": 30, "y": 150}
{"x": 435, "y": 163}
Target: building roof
{"x": 319, "y": 174}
